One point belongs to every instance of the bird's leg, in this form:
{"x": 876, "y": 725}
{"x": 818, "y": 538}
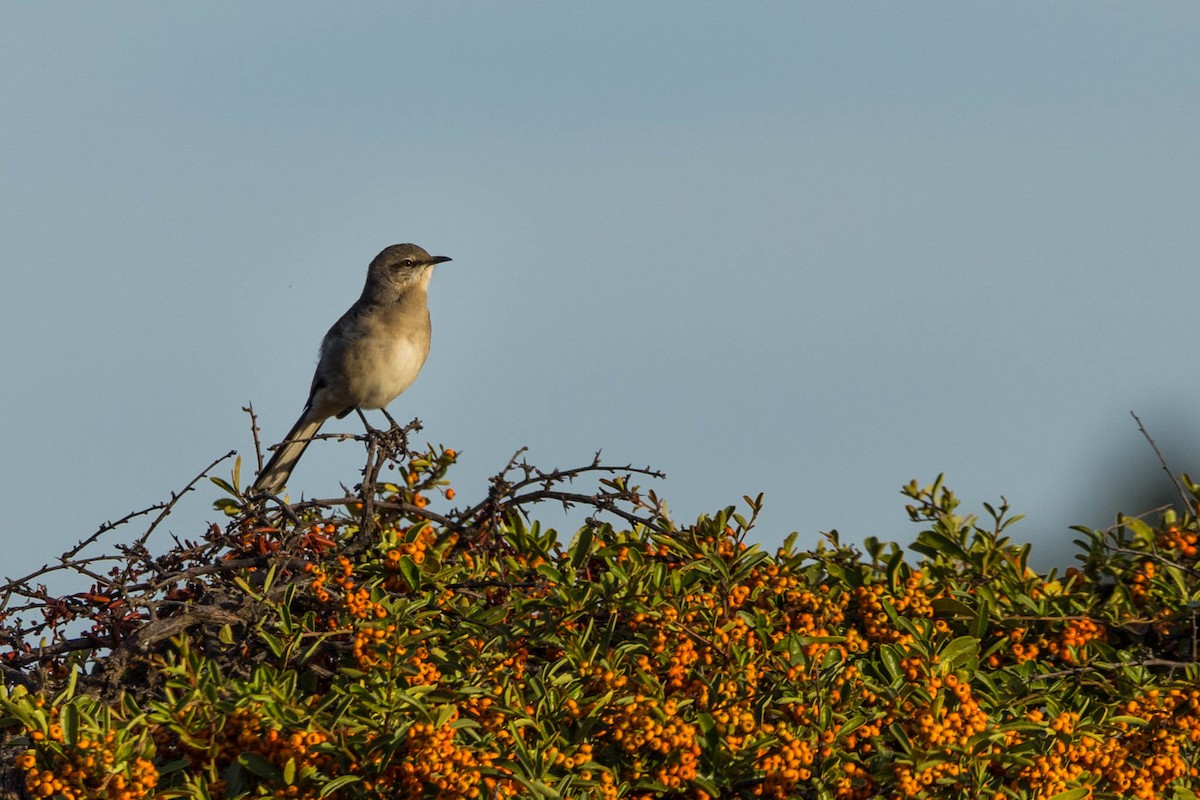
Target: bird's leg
{"x": 370, "y": 428}
{"x": 394, "y": 440}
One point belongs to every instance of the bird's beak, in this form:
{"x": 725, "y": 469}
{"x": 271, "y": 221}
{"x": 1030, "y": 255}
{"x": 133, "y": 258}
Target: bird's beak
{"x": 439, "y": 259}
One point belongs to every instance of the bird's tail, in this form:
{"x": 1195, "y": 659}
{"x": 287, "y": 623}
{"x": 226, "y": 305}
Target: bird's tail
{"x": 275, "y": 474}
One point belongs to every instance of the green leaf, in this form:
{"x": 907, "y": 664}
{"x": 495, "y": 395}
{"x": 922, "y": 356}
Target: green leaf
{"x": 1137, "y": 722}
{"x": 275, "y": 646}
{"x": 337, "y": 783}
{"x": 902, "y": 740}
{"x": 894, "y": 562}
{"x": 28, "y": 715}
{"x": 959, "y": 652}
{"x": 289, "y": 772}
{"x": 982, "y": 619}
{"x": 259, "y": 766}
{"x": 936, "y": 544}
{"x": 538, "y": 788}
{"x": 224, "y": 484}
{"x": 69, "y": 717}
{"x": 581, "y": 548}
{"x": 227, "y": 506}
{"x": 269, "y": 581}
{"x": 1073, "y": 794}
{"x": 245, "y": 586}
{"x": 444, "y": 715}
{"x": 852, "y": 724}
{"x": 285, "y": 610}
{"x": 235, "y": 779}
{"x": 892, "y": 662}
{"x": 548, "y": 571}
{"x": 1142, "y": 533}
{"x": 411, "y": 573}
{"x": 803, "y": 640}
{"x": 174, "y": 766}
{"x": 949, "y": 607}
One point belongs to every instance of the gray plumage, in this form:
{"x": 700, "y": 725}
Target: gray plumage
{"x": 369, "y": 356}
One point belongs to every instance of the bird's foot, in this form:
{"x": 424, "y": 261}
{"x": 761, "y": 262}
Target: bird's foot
{"x": 393, "y": 440}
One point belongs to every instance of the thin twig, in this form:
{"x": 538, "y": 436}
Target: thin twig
{"x": 177, "y": 496}
{"x": 249, "y": 409}
{"x": 1183, "y": 495}
{"x": 1102, "y": 665}
{"x": 106, "y": 527}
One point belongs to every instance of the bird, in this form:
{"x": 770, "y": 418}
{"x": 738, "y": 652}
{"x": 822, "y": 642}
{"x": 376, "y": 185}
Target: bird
{"x": 370, "y": 356}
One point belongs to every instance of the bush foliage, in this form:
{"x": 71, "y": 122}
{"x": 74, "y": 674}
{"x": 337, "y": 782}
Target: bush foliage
{"x": 373, "y": 646}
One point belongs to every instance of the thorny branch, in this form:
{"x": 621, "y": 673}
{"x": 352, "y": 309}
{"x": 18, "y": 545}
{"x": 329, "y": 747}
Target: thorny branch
{"x": 136, "y": 600}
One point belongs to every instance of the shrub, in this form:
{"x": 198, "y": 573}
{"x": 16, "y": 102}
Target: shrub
{"x": 371, "y": 646}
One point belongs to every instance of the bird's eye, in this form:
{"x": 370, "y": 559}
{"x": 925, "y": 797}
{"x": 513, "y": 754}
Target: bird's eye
{"x": 408, "y": 263}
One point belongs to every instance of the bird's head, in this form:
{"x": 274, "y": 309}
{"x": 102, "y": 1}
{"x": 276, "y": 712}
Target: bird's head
{"x": 400, "y": 267}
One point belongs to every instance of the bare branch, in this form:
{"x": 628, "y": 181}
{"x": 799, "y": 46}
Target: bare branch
{"x": 1183, "y": 495}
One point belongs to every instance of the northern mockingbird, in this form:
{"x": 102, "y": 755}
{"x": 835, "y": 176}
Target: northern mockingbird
{"x": 369, "y": 356}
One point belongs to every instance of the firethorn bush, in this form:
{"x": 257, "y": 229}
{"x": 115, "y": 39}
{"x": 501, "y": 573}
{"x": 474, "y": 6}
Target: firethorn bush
{"x": 385, "y": 645}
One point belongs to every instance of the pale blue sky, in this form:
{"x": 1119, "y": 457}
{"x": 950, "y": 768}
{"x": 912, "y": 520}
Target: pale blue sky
{"x": 814, "y": 250}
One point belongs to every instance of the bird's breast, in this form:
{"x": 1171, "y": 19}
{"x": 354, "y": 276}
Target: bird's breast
{"x": 386, "y": 368}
